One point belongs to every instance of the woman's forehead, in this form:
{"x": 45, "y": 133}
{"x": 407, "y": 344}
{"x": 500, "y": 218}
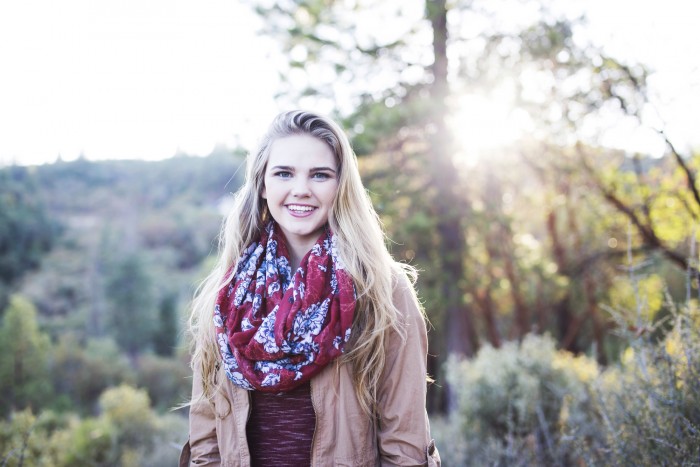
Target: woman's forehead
{"x": 302, "y": 150}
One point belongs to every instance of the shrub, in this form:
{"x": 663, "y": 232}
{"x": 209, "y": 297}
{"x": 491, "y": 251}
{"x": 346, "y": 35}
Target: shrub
{"x": 530, "y": 404}
{"x": 649, "y": 405}
{"x": 171, "y": 434}
{"x": 91, "y": 441}
{"x": 81, "y": 374}
{"x": 129, "y": 410}
{"x": 166, "y": 380}
{"x": 126, "y": 433}
{"x": 517, "y": 403}
{"x": 37, "y": 440}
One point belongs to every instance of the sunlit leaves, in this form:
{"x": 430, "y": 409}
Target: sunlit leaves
{"x": 638, "y": 301}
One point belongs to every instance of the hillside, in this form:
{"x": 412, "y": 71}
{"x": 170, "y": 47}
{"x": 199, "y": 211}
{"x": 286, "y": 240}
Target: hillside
{"x": 165, "y": 213}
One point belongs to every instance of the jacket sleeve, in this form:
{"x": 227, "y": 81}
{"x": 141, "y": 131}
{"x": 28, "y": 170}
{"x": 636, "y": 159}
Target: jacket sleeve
{"x": 403, "y": 434}
{"x": 203, "y": 443}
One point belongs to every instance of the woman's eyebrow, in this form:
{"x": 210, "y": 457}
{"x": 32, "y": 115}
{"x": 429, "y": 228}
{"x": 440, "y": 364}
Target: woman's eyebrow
{"x": 289, "y": 168}
{"x": 322, "y": 169}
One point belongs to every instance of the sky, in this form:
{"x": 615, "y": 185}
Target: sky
{"x": 149, "y": 79}
{"x": 663, "y": 36}
{"x": 128, "y": 78}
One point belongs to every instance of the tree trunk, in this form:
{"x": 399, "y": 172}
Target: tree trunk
{"x": 450, "y": 206}
{"x": 450, "y": 203}
{"x": 483, "y": 297}
{"x": 598, "y": 325}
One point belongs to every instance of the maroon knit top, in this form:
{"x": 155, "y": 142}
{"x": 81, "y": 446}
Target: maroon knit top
{"x": 281, "y": 428}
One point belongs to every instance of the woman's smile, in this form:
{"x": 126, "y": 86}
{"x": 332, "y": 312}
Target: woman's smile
{"x": 300, "y": 210}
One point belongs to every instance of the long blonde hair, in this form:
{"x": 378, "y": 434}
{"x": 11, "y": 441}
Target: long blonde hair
{"x": 362, "y": 249}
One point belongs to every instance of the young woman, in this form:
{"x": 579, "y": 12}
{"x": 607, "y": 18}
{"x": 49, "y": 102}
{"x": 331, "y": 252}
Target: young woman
{"x": 309, "y": 343}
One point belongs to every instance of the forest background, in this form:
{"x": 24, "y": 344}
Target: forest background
{"x": 560, "y": 275}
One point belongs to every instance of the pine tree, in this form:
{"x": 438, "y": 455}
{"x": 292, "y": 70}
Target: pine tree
{"x": 130, "y": 304}
{"x": 24, "y": 363}
{"x": 165, "y": 338}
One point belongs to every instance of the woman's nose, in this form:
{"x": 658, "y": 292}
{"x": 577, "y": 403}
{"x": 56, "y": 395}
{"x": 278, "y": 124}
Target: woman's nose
{"x": 301, "y": 187}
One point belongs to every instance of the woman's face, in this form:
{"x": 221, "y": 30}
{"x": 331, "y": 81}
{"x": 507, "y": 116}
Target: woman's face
{"x": 301, "y": 182}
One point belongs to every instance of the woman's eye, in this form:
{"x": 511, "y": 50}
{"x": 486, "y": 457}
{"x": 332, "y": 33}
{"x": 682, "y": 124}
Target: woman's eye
{"x": 283, "y": 174}
{"x": 321, "y": 176}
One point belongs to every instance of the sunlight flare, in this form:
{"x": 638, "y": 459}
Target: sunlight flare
{"x": 482, "y": 123}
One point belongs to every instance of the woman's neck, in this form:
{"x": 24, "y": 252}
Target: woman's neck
{"x": 294, "y": 262}
{"x": 298, "y": 247}
{"x": 296, "y": 254}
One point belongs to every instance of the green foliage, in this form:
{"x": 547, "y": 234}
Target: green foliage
{"x": 59, "y": 288}
{"x": 129, "y": 410}
{"x": 170, "y": 435}
{"x": 530, "y": 404}
{"x": 648, "y": 290}
{"x": 131, "y": 317}
{"x": 26, "y": 230}
{"x": 126, "y": 433}
{"x": 24, "y": 363}
{"x": 26, "y": 439}
{"x": 515, "y": 404}
{"x": 80, "y": 373}
{"x": 649, "y": 406}
{"x": 87, "y": 442}
{"x": 166, "y": 333}
{"x": 126, "y": 223}
{"x": 14, "y": 437}
{"x": 166, "y": 380}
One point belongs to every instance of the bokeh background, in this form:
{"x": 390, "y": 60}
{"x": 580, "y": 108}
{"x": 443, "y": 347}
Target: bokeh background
{"x": 535, "y": 160}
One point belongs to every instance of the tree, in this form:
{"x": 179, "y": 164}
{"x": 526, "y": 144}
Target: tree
{"x": 166, "y": 333}
{"x": 131, "y": 310}
{"x": 26, "y": 230}
{"x": 24, "y": 363}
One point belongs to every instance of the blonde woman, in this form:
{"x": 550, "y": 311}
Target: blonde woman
{"x": 309, "y": 342}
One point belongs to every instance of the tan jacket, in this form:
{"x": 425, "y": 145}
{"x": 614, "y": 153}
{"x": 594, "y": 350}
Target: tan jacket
{"x": 343, "y": 436}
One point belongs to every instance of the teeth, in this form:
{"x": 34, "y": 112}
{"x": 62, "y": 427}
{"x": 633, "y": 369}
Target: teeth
{"x": 294, "y": 207}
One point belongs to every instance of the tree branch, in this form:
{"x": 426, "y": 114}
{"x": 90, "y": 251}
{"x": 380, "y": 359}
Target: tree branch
{"x": 647, "y": 232}
{"x": 688, "y": 173}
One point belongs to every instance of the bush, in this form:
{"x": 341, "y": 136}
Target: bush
{"x": 166, "y": 379}
{"x": 129, "y": 410}
{"x": 649, "y": 405}
{"x": 28, "y": 439}
{"x": 171, "y": 434}
{"x": 516, "y": 403}
{"x": 530, "y": 404}
{"x": 81, "y": 374}
{"x": 126, "y": 433}
{"x": 91, "y": 441}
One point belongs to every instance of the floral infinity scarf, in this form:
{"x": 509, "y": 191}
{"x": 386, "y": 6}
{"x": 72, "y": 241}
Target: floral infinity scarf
{"x": 276, "y": 330}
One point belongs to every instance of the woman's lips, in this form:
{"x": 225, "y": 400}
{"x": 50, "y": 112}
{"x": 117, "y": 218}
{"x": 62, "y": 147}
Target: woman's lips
{"x": 300, "y": 210}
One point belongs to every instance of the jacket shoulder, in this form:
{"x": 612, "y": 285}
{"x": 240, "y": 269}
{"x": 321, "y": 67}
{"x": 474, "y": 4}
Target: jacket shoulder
{"x": 405, "y": 298}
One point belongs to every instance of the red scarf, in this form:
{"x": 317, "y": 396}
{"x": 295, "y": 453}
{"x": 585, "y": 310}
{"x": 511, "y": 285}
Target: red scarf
{"x": 277, "y": 330}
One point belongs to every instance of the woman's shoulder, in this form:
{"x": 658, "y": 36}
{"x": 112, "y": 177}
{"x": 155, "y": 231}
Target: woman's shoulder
{"x": 403, "y": 276}
{"x": 404, "y": 293}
